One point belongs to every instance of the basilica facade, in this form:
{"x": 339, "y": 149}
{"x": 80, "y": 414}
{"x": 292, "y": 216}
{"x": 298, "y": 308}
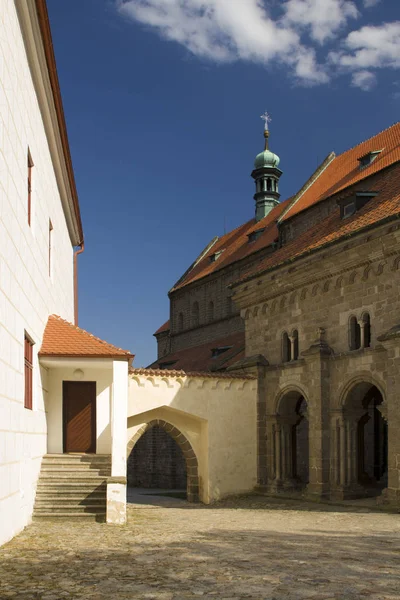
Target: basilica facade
{"x": 305, "y": 297}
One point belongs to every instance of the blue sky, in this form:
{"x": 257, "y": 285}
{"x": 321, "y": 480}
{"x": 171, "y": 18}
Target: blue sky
{"x": 163, "y": 101}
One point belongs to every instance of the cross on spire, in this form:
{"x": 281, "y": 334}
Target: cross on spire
{"x": 267, "y": 119}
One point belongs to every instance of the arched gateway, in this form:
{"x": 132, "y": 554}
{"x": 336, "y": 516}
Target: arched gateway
{"x": 192, "y": 475}
{"x": 360, "y": 441}
{"x": 288, "y": 442}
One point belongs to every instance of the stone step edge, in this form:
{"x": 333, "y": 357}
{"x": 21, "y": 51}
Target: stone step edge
{"x": 68, "y": 515}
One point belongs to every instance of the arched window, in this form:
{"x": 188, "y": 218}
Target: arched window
{"x": 354, "y": 334}
{"x": 195, "y": 314}
{"x": 367, "y": 330}
{"x": 210, "y": 311}
{"x": 285, "y": 347}
{"x": 180, "y": 322}
{"x": 269, "y": 186}
{"x": 295, "y": 345}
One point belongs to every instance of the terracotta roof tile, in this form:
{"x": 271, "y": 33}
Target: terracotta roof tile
{"x": 384, "y": 206}
{"x": 344, "y": 170}
{"x": 235, "y": 246}
{"x": 202, "y": 374}
{"x": 200, "y": 358}
{"x": 63, "y": 339}
{"x": 165, "y": 327}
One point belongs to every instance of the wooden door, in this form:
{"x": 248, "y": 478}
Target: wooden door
{"x": 79, "y": 416}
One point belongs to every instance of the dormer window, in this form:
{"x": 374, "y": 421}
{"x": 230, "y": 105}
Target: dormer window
{"x": 218, "y": 351}
{"x": 348, "y": 210}
{"x": 349, "y": 206}
{"x": 215, "y": 256}
{"x": 367, "y": 159}
{"x": 254, "y": 235}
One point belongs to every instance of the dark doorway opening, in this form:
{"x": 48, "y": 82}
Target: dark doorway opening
{"x": 157, "y": 461}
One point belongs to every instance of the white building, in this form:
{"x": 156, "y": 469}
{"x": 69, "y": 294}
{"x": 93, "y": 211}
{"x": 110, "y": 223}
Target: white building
{"x": 40, "y": 235}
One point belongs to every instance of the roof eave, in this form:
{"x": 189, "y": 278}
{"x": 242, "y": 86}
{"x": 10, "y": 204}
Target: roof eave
{"x": 35, "y": 27}
{"x": 314, "y": 250}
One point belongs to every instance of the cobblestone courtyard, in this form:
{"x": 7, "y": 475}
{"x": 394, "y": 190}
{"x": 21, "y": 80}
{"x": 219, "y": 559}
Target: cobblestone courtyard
{"x": 248, "y": 548}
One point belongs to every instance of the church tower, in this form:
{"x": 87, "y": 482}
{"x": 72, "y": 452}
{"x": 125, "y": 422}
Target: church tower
{"x": 266, "y": 175}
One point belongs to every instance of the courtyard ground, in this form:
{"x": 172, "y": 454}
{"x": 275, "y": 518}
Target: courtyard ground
{"x": 251, "y": 547}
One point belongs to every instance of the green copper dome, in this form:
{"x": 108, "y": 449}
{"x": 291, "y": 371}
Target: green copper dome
{"x": 266, "y": 159}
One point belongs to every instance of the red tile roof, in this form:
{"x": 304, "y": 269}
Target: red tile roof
{"x": 384, "y": 206}
{"x": 165, "y": 327}
{"x": 235, "y": 245}
{"x": 199, "y": 358}
{"x": 202, "y": 374}
{"x": 344, "y": 170}
{"x": 63, "y": 339}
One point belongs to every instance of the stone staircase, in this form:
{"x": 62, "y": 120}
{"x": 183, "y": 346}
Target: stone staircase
{"x": 72, "y": 486}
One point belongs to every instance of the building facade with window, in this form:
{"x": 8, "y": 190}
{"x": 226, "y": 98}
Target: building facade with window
{"x": 315, "y": 285}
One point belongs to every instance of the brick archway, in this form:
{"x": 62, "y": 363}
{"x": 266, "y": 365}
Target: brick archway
{"x": 192, "y": 467}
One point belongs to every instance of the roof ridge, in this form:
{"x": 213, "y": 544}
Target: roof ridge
{"x": 368, "y": 139}
{"x": 79, "y": 329}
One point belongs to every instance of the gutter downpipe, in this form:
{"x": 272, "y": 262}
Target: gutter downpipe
{"x": 76, "y": 252}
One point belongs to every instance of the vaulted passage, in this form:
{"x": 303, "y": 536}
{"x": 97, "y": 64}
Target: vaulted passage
{"x": 290, "y": 443}
{"x": 160, "y": 456}
{"x": 360, "y": 443}
{"x": 156, "y": 461}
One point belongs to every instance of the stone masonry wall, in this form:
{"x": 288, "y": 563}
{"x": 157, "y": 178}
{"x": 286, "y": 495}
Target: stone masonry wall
{"x": 216, "y": 320}
{"x": 156, "y": 461}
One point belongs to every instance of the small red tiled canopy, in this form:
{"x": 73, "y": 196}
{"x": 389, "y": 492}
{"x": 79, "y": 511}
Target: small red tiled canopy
{"x": 63, "y": 339}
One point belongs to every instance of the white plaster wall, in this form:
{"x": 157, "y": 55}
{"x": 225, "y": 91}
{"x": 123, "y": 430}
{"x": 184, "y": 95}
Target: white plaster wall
{"x": 218, "y": 417}
{"x": 27, "y": 293}
{"x": 104, "y": 380}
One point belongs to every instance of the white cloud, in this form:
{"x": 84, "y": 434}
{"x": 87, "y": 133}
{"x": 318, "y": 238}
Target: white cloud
{"x": 370, "y": 3}
{"x": 364, "y": 80}
{"x": 229, "y": 30}
{"x": 323, "y": 18}
{"x": 212, "y": 29}
{"x": 371, "y": 47}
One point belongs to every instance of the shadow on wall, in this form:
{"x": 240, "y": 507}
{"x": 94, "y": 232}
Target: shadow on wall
{"x": 233, "y": 562}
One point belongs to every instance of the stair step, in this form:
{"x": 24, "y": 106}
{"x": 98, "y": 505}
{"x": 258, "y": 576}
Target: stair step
{"x": 68, "y": 515}
{"x": 45, "y": 475}
{"x": 78, "y": 508}
{"x": 70, "y": 501}
{"x": 72, "y": 486}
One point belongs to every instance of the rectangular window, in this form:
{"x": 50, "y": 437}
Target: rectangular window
{"x": 30, "y": 165}
{"x": 28, "y": 356}
{"x": 50, "y": 244}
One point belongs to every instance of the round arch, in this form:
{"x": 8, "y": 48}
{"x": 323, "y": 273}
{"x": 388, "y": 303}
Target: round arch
{"x": 364, "y": 378}
{"x": 291, "y": 391}
{"x": 192, "y": 466}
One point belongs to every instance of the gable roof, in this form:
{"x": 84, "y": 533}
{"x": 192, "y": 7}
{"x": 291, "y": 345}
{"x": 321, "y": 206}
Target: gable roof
{"x": 199, "y": 358}
{"x": 235, "y": 246}
{"x": 63, "y": 339}
{"x": 383, "y": 207}
{"x": 163, "y": 328}
{"x": 344, "y": 170}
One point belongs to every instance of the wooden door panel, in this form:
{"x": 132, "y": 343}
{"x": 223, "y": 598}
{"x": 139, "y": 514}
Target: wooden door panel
{"x": 79, "y": 400}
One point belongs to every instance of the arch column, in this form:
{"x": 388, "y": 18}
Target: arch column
{"x": 344, "y": 454}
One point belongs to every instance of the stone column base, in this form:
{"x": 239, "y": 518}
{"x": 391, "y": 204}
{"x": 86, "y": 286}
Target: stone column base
{"x": 316, "y": 491}
{"x": 391, "y": 496}
{"x": 116, "y": 500}
{"x": 348, "y": 492}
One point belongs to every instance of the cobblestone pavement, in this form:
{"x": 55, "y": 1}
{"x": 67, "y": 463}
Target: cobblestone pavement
{"x": 245, "y": 548}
